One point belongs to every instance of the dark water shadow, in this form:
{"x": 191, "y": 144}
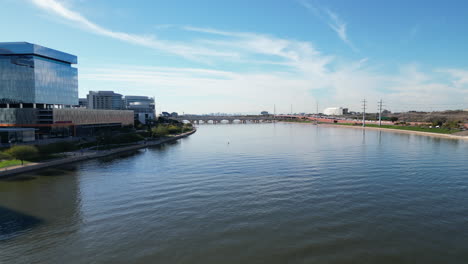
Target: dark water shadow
{"x": 120, "y": 156}
{"x": 13, "y": 223}
{"x": 62, "y": 170}
{"x": 48, "y": 172}
{"x": 51, "y": 172}
{"x": 19, "y": 178}
{"x": 164, "y": 146}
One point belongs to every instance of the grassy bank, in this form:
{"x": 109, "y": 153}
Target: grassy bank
{"x": 9, "y": 163}
{"x": 408, "y": 128}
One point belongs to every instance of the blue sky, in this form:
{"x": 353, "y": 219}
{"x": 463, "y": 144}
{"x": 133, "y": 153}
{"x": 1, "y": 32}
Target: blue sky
{"x": 246, "y": 56}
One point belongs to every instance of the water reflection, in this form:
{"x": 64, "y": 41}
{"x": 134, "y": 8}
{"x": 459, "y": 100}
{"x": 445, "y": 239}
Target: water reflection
{"x": 31, "y": 203}
{"x": 13, "y": 223}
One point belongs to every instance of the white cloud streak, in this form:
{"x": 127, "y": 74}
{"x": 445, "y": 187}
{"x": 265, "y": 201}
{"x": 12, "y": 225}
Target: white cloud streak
{"x": 331, "y": 19}
{"x": 186, "y": 51}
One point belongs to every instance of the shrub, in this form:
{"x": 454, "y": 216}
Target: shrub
{"x": 438, "y": 121}
{"x": 5, "y": 156}
{"x": 451, "y": 124}
{"x": 23, "y": 152}
{"x": 160, "y": 131}
{"x": 174, "y": 129}
{"x": 187, "y": 127}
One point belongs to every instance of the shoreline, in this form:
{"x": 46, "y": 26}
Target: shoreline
{"x": 420, "y": 133}
{"x": 6, "y": 173}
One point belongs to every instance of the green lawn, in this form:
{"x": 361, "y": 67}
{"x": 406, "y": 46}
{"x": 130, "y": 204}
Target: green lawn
{"x": 411, "y": 128}
{"x": 8, "y": 163}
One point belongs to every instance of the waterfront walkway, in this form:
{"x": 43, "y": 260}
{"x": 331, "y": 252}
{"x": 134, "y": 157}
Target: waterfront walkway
{"x": 86, "y": 155}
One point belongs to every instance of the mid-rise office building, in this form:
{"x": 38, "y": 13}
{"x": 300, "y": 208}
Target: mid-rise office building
{"x": 32, "y": 76}
{"x": 105, "y": 100}
{"x": 142, "y": 106}
{"x": 39, "y": 89}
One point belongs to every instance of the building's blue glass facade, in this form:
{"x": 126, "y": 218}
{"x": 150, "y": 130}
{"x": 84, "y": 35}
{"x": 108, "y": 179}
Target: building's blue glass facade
{"x": 16, "y": 79}
{"x": 34, "y": 74}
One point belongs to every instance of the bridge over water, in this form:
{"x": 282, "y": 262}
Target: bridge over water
{"x": 197, "y": 119}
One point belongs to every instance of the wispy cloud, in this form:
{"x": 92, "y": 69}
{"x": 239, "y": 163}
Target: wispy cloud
{"x": 331, "y": 19}
{"x": 338, "y": 26}
{"x": 238, "y": 46}
{"x": 193, "y": 52}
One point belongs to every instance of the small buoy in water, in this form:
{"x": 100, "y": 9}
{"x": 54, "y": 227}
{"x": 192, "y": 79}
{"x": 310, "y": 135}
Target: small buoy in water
{"x": 228, "y": 142}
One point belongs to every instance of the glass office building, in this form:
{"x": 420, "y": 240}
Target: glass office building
{"x": 35, "y": 76}
{"x": 39, "y": 90}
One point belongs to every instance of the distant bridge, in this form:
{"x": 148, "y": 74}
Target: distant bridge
{"x": 197, "y": 119}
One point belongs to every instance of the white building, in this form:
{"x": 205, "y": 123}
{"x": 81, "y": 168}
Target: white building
{"x": 335, "y": 111}
{"x": 142, "y": 106}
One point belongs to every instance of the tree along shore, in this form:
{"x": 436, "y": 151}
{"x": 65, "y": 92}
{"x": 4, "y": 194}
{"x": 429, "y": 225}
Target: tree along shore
{"x": 80, "y": 155}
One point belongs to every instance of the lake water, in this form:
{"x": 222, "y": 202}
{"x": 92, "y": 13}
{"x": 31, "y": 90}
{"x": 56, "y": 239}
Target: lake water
{"x": 249, "y": 193}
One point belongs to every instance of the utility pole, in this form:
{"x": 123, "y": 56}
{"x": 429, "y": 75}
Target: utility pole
{"x": 291, "y": 110}
{"x": 364, "y": 112}
{"x": 274, "y": 111}
{"x": 380, "y": 112}
{"x": 317, "y": 106}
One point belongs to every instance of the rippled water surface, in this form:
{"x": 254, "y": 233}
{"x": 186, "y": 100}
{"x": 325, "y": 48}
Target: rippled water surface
{"x": 248, "y": 193}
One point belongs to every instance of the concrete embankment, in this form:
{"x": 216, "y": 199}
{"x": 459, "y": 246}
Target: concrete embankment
{"x": 77, "y": 157}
